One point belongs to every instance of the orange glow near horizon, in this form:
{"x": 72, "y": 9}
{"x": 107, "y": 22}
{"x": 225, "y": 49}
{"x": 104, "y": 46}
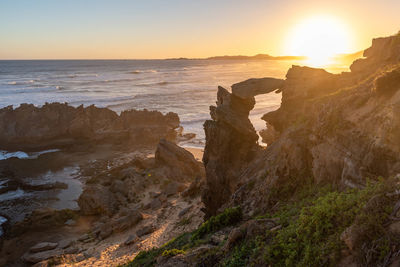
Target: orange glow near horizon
{"x": 319, "y": 38}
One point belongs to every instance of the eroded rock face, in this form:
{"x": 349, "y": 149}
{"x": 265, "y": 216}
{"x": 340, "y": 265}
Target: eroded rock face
{"x": 339, "y": 128}
{"x": 56, "y": 124}
{"x": 253, "y": 87}
{"x": 351, "y": 120}
{"x": 231, "y": 141}
{"x": 384, "y": 51}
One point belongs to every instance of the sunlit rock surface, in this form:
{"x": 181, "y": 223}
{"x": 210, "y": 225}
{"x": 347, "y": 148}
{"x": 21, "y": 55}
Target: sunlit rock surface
{"x": 341, "y": 128}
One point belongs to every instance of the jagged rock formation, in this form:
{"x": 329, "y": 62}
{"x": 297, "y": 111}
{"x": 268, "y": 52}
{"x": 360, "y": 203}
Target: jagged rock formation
{"x": 230, "y": 144}
{"x": 383, "y": 52}
{"x": 253, "y": 87}
{"x": 56, "y": 124}
{"x": 341, "y": 128}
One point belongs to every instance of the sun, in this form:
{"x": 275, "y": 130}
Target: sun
{"x": 319, "y": 38}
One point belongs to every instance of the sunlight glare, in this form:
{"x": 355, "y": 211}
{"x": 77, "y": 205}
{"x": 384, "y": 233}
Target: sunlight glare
{"x": 319, "y": 38}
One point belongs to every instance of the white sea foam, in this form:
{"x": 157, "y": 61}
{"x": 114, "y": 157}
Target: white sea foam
{"x": 18, "y": 154}
{"x": 12, "y": 195}
{"x": 24, "y": 155}
{"x": 142, "y": 71}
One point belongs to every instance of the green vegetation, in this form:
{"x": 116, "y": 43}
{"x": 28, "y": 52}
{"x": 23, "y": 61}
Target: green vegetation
{"x": 186, "y": 241}
{"x": 184, "y": 221}
{"x": 229, "y": 217}
{"x": 311, "y": 221}
{"x": 172, "y": 252}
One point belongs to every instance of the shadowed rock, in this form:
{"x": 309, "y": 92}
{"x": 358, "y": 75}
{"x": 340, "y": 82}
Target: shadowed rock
{"x": 97, "y": 199}
{"x": 177, "y": 163}
{"x": 57, "y": 125}
{"x": 231, "y": 141}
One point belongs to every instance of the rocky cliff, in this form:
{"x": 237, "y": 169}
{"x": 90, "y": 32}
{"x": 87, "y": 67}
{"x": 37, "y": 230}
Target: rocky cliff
{"x": 340, "y": 128}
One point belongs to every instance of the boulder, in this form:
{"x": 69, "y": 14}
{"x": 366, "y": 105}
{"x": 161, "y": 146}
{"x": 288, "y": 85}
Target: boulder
{"x": 41, "y": 256}
{"x": 173, "y": 188}
{"x": 43, "y": 246}
{"x": 131, "y": 239}
{"x": 155, "y": 204}
{"x": 252, "y": 87}
{"x": 195, "y": 188}
{"x": 96, "y": 200}
{"x": 40, "y": 219}
{"x": 145, "y": 230}
{"x": 177, "y": 163}
{"x": 184, "y": 211}
{"x": 126, "y": 222}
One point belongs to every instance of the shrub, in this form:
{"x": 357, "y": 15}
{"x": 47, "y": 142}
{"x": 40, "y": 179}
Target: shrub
{"x": 313, "y": 237}
{"x": 229, "y": 217}
{"x": 172, "y": 252}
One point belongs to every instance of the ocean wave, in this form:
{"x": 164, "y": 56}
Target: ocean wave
{"x": 102, "y": 101}
{"x": 103, "y": 82}
{"x": 21, "y": 82}
{"x": 142, "y": 71}
{"x": 162, "y": 83}
{"x": 81, "y": 75}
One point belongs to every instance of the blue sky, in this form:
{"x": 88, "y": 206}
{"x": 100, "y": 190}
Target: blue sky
{"x": 173, "y": 28}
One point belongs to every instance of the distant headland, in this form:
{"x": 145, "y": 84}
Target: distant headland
{"x": 342, "y": 57}
{"x": 241, "y": 57}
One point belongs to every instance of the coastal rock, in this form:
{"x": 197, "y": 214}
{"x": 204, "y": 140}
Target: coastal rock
{"x": 131, "y": 239}
{"x": 41, "y": 256}
{"x": 125, "y": 222}
{"x": 59, "y": 125}
{"x": 177, "y": 163}
{"x": 336, "y": 128}
{"x": 145, "y": 230}
{"x": 195, "y": 188}
{"x": 384, "y": 51}
{"x": 231, "y": 142}
{"x": 43, "y": 246}
{"x": 388, "y": 83}
{"x": 252, "y": 87}
{"x": 96, "y": 200}
{"x": 173, "y": 188}
{"x": 40, "y": 219}
{"x": 155, "y": 204}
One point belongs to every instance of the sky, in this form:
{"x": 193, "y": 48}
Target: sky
{"x": 148, "y": 29}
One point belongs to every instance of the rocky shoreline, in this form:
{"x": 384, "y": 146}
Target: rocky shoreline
{"x": 93, "y": 147}
{"x": 324, "y": 192}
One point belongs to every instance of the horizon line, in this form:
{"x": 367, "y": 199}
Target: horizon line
{"x": 173, "y": 58}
